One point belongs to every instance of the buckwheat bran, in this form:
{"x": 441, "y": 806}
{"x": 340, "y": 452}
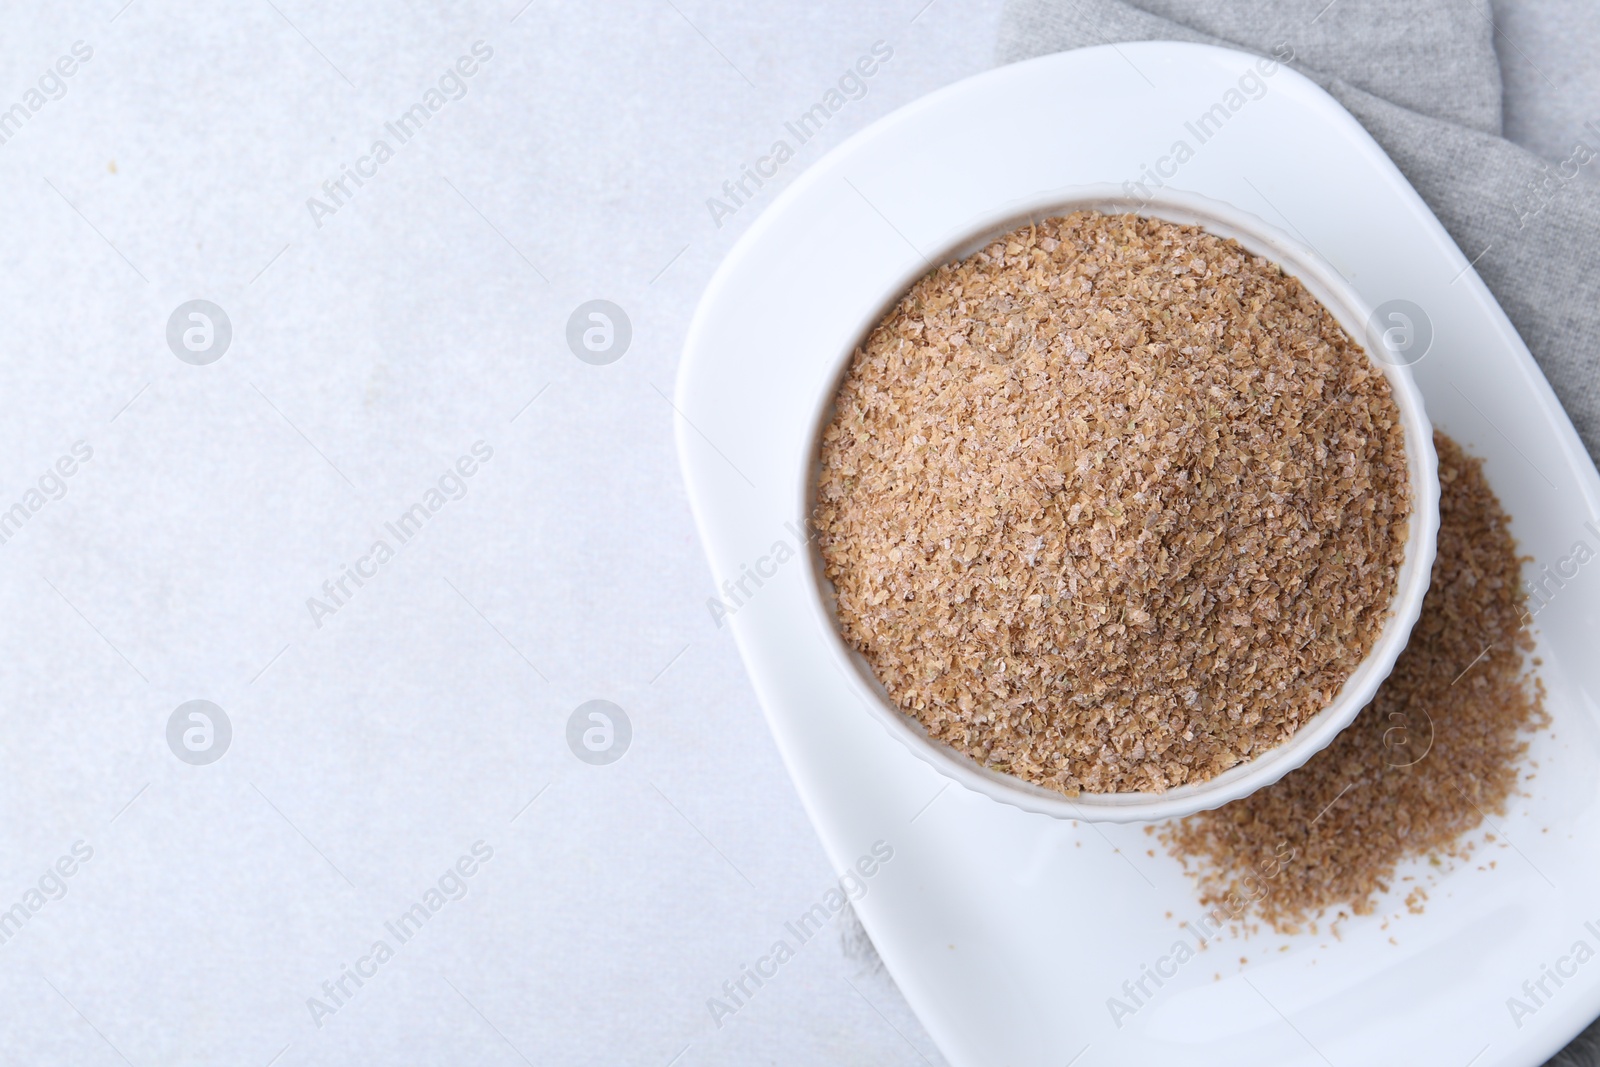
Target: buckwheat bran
{"x": 1112, "y": 504}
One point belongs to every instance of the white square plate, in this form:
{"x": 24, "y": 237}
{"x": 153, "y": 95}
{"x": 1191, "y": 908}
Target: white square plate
{"x": 1008, "y": 932}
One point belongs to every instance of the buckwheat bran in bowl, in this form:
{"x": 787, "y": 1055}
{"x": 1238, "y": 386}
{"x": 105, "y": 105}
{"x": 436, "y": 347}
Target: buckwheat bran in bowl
{"x": 1114, "y": 505}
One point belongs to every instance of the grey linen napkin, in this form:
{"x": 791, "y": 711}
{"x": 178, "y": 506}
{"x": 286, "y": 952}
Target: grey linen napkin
{"x": 1423, "y": 78}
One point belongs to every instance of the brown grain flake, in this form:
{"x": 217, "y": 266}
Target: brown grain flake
{"x": 1112, "y": 504}
{"x": 1420, "y": 767}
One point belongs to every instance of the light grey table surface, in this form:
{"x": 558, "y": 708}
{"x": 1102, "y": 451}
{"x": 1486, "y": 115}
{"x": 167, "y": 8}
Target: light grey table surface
{"x": 375, "y": 341}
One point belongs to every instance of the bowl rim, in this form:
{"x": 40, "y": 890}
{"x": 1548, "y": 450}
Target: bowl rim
{"x": 1340, "y": 298}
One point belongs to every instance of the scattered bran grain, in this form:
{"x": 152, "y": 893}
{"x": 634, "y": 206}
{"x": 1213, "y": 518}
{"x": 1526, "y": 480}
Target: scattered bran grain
{"x": 1112, "y": 504}
{"x": 1421, "y": 766}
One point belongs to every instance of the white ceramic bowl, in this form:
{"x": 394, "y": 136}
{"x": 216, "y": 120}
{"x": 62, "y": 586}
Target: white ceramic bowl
{"x": 1328, "y": 286}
